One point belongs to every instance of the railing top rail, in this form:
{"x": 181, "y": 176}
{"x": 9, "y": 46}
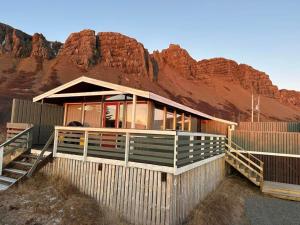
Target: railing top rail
{"x": 198, "y": 134}
{"x": 16, "y": 137}
{"x": 137, "y": 131}
{"x": 116, "y": 130}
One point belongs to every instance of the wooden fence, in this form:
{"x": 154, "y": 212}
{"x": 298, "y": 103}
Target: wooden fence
{"x": 142, "y": 196}
{"x": 281, "y": 169}
{"x": 270, "y": 126}
{"x": 43, "y": 116}
{"x": 272, "y": 142}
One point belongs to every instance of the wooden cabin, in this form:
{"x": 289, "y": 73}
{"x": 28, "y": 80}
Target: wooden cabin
{"x": 145, "y": 156}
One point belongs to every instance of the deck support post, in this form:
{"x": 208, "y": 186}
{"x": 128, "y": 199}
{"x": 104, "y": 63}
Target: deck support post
{"x": 133, "y": 113}
{"x": 175, "y": 153}
{"x": 127, "y": 146}
{"x": 1, "y": 159}
{"x": 85, "y": 144}
{"x": 55, "y": 142}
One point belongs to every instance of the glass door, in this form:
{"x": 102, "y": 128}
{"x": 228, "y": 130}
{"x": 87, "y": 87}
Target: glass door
{"x": 110, "y": 115}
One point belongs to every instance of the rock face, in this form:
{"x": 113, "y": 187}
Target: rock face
{"x": 21, "y": 45}
{"x": 43, "y": 48}
{"x": 81, "y": 48}
{"x": 125, "y": 53}
{"x": 14, "y": 41}
{"x": 290, "y": 97}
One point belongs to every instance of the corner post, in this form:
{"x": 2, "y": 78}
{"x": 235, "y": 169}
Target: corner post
{"x": 1, "y": 159}
{"x": 127, "y": 146}
{"x": 175, "y": 153}
{"x": 85, "y": 145}
{"x": 55, "y": 142}
{"x": 133, "y": 113}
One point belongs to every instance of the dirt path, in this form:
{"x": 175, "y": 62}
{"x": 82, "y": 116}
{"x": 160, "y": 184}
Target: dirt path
{"x": 44, "y": 200}
{"x": 225, "y": 206}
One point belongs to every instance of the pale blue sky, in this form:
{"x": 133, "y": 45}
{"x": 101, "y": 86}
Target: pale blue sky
{"x": 261, "y": 33}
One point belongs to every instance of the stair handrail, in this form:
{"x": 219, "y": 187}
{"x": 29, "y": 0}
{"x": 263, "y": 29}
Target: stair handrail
{"x": 41, "y": 155}
{"x": 246, "y": 165}
{"x": 11, "y": 140}
{"x": 242, "y": 149}
{"x": 248, "y": 160}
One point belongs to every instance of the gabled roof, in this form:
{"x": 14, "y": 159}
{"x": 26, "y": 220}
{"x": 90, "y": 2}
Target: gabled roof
{"x": 127, "y": 90}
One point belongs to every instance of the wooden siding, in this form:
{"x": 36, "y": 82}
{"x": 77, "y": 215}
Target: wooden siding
{"x": 270, "y": 126}
{"x": 42, "y": 116}
{"x": 281, "y": 169}
{"x": 214, "y": 127}
{"x": 275, "y": 142}
{"x": 142, "y": 196}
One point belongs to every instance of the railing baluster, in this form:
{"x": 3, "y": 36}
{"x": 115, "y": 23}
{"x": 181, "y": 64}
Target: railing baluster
{"x": 55, "y": 142}
{"x": 175, "y": 153}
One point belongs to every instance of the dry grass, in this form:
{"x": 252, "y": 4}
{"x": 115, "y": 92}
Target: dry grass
{"x": 45, "y": 200}
{"x": 225, "y": 206}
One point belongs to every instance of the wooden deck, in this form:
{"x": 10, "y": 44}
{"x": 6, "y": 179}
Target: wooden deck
{"x": 282, "y": 190}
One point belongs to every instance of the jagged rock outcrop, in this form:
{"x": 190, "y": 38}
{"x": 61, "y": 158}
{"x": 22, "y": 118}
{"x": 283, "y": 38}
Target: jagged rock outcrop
{"x": 81, "y": 48}
{"x": 14, "y": 41}
{"x": 125, "y": 53}
{"x": 290, "y": 97}
{"x": 43, "y": 48}
{"x": 21, "y": 45}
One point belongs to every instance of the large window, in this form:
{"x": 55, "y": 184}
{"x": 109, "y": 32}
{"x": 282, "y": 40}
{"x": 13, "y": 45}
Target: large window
{"x": 73, "y": 113}
{"x": 169, "y": 120}
{"x": 179, "y": 119}
{"x": 158, "y": 122}
{"x": 141, "y": 115}
{"x": 186, "y": 122}
{"x": 92, "y": 113}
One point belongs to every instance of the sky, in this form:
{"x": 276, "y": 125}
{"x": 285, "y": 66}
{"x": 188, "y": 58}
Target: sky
{"x": 261, "y": 33}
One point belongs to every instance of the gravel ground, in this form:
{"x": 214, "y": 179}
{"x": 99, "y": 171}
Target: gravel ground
{"x": 262, "y": 210}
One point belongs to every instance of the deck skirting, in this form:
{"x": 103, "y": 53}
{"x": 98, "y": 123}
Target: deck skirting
{"x": 141, "y": 196}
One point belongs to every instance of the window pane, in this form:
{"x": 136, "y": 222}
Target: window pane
{"x": 121, "y": 117}
{"x": 73, "y": 113}
{"x": 169, "y": 120}
{"x": 186, "y": 122}
{"x": 141, "y": 116}
{"x": 194, "y": 124}
{"x": 110, "y": 116}
{"x": 128, "y": 115}
{"x": 179, "y": 121}
{"x": 92, "y": 115}
{"x": 158, "y": 119}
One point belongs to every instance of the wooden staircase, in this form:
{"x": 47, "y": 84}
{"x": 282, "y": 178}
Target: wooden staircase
{"x": 244, "y": 162}
{"x": 15, "y": 155}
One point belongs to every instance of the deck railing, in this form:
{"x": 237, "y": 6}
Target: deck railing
{"x": 167, "y": 151}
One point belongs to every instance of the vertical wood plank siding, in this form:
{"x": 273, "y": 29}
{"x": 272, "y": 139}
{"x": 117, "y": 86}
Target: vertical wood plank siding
{"x": 213, "y": 127}
{"x": 281, "y": 169}
{"x": 142, "y": 196}
{"x": 270, "y": 126}
{"x": 42, "y": 116}
{"x": 275, "y": 142}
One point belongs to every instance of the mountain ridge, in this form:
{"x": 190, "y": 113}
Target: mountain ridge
{"x": 209, "y": 85}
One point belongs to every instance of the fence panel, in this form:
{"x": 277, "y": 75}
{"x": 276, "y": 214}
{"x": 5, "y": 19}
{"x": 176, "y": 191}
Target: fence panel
{"x": 273, "y": 142}
{"x": 43, "y": 116}
{"x": 270, "y": 126}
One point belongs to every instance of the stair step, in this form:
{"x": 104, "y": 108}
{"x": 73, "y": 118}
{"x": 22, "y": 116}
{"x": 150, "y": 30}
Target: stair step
{"x": 3, "y": 187}
{"x": 22, "y": 163}
{"x": 29, "y": 156}
{"x": 11, "y": 170}
{"x": 7, "y": 179}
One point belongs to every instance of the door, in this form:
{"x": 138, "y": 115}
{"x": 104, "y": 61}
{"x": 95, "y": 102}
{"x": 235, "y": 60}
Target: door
{"x": 110, "y": 120}
{"x": 110, "y": 115}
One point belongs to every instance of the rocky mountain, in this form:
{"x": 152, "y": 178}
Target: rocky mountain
{"x": 30, "y": 65}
